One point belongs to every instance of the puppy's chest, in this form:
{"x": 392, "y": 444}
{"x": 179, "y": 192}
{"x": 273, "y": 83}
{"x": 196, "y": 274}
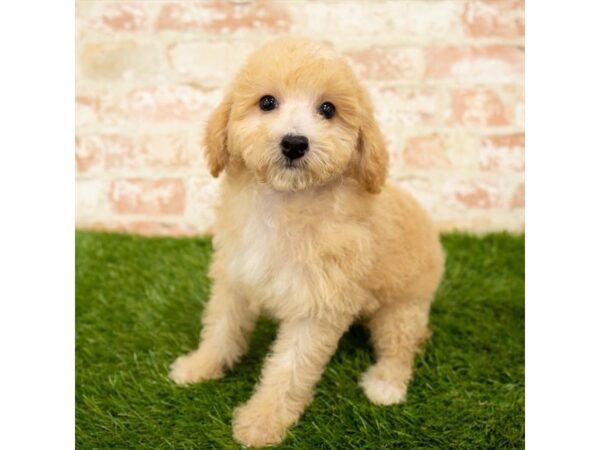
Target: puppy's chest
{"x": 293, "y": 258}
{"x": 272, "y": 251}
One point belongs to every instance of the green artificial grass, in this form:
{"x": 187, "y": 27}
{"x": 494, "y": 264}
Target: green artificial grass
{"x": 138, "y": 304}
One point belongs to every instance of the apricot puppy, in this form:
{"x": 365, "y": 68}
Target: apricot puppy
{"x": 307, "y": 233}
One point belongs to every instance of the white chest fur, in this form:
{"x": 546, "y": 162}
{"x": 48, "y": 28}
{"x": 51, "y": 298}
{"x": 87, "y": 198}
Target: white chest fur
{"x": 273, "y": 257}
{"x": 291, "y": 253}
{"x": 260, "y": 245}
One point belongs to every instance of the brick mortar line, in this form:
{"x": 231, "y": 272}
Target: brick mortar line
{"x": 199, "y": 84}
{"x": 198, "y": 169}
{"x": 140, "y": 129}
{"x": 342, "y": 41}
{"x": 441, "y": 215}
{"x": 501, "y": 218}
{"x": 402, "y": 174}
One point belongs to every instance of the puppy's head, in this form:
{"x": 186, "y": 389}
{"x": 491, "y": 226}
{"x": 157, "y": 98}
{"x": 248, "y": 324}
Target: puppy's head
{"x": 296, "y": 116}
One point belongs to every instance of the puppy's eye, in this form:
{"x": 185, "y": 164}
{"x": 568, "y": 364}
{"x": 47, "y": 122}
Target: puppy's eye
{"x": 327, "y": 110}
{"x": 267, "y": 103}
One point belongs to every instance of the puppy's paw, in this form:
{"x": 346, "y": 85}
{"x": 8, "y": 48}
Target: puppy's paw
{"x": 257, "y": 424}
{"x": 381, "y": 388}
{"x": 194, "y": 368}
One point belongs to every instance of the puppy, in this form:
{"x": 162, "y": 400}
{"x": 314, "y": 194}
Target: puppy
{"x": 307, "y": 233}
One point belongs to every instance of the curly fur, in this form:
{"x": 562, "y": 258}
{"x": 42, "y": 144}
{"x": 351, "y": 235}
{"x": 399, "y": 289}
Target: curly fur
{"x": 316, "y": 246}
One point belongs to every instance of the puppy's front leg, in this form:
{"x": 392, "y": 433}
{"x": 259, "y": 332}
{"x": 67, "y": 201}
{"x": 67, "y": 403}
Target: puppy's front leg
{"x": 300, "y": 353}
{"x": 226, "y": 323}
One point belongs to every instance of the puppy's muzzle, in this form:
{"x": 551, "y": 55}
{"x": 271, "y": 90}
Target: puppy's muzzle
{"x": 294, "y": 146}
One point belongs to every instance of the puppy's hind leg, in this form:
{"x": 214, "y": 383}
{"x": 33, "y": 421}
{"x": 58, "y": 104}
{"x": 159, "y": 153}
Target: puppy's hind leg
{"x": 227, "y": 323}
{"x": 397, "y": 332}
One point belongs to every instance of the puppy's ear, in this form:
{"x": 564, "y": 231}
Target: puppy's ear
{"x": 372, "y": 166}
{"x": 215, "y": 137}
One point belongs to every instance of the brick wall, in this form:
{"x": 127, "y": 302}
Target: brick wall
{"x": 447, "y": 77}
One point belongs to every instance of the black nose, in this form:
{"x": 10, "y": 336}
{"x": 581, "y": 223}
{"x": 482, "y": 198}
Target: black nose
{"x": 294, "y": 147}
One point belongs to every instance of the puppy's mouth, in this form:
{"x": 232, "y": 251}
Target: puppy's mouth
{"x": 293, "y": 164}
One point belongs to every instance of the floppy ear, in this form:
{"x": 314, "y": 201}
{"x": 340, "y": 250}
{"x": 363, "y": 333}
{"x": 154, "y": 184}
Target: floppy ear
{"x": 215, "y": 137}
{"x": 372, "y": 164}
